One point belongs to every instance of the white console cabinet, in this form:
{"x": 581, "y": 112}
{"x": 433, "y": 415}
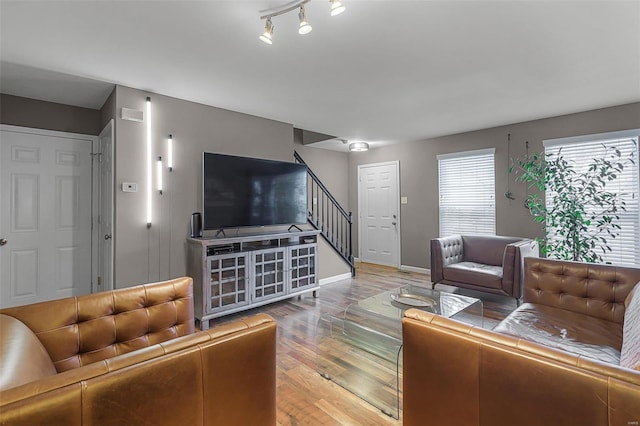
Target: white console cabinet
{"x": 231, "y": 274}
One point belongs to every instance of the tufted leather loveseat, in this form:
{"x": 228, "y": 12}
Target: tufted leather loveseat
{"x": 133, "y": 356}
{"x": 555, "y": 360}
{"x": 486, "y": 263}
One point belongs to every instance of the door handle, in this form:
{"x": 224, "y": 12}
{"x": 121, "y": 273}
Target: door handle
{"x": 393, "y": 223}
{"x": 107, "y": 236}
{"x": 3, "y": 241}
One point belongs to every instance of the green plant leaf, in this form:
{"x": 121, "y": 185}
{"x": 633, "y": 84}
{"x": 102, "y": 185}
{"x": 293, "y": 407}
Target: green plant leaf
{"x": 581, "y": 211}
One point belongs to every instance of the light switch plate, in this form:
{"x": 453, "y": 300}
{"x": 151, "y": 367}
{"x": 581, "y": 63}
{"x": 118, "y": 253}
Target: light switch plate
{"x": 129, "y": 187}
{"x": 403, "y": 200}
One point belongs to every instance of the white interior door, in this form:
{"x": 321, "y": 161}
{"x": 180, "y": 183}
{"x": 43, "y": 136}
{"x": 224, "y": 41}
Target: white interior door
{"x": 105, "y": 221}
{"x": 45, "y": 215}
{"x": 378, "y": 207}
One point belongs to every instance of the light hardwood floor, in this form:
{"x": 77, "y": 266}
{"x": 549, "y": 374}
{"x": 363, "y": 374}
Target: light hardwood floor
{"x": 303, "y": 396}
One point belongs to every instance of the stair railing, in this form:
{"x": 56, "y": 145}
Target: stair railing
{"x": 328, "y": 216}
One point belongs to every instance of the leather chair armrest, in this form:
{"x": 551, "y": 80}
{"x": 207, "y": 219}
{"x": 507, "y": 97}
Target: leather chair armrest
{"x": 513, "y": 265}
{"x": 444, "y": 252}
{"x": 508, "y": 271}
{"x": 526, "y": 248}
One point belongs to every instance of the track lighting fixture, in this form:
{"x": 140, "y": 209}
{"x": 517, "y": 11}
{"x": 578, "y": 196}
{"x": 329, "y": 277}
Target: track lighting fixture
{"x": 336, "y": 7}
{"x": 304, "y": 28}
{"x": 268, "y": 32}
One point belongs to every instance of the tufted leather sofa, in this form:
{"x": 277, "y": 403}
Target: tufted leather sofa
{"x": 491, "y": 264}
{"x": 553, "y": 361}
{"x": 133, "y": 356}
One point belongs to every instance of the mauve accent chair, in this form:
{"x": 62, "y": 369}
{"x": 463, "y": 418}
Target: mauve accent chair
{"x": 491, "y": 264}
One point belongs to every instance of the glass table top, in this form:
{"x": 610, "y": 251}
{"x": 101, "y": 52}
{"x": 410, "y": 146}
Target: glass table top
{"x": 393, "y": 303}
{"x": 360, "y": 348}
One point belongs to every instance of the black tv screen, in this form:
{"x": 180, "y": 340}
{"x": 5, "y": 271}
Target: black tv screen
{"x": 242, "y": 191}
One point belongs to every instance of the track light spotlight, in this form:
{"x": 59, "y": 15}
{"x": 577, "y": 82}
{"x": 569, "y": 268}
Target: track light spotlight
{"x": 268, "y": 32}
{"x": 304, "y": 28}
{"x": 336, "y": 7}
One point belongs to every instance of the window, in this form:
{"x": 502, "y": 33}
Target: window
{"x": 467, "y": 193}
{"x": 580, "y": 151}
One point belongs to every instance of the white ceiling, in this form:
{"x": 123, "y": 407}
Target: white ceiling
{"x": 382, "y": 72}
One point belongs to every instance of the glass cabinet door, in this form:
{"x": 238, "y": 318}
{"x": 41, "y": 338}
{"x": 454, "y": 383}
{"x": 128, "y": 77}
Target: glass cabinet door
{"x": 269, "y": 270}
{"x": 228, "y": 281}
{"x": 303, "y": 267}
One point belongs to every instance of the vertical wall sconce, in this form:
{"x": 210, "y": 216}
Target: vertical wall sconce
{"x": 149, "y": 160}
{"x": 170, "y": 153}
{"x": 159, "y": 174}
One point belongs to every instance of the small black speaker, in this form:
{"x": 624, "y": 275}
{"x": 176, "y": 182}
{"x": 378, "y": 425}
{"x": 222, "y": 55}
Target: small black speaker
{"x": 196, "y": 225}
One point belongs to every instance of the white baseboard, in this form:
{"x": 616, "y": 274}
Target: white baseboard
{"x": 335, "y": 278}
{"x": 407, "y": 268}
{"x": 415, "y": 269}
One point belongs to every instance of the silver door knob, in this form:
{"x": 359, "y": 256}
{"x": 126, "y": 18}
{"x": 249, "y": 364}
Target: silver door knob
{"x": 107, "y": 236}
{"x": 3, "y": 241}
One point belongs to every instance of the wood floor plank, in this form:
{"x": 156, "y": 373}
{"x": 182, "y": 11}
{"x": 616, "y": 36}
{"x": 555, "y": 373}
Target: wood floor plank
{"x": 306, "y": 398}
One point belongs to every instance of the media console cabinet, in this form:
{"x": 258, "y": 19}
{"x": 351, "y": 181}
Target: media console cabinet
{"x": 232, "y": 274}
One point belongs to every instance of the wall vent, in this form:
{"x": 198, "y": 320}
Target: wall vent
{"x": 132, "y": 114}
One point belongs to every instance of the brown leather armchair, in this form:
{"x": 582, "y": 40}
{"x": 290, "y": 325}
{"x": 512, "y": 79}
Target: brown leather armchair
{"x": 491, "y": 264}
{"x": 133, "y": 356}
{"x": 555, "y": 360}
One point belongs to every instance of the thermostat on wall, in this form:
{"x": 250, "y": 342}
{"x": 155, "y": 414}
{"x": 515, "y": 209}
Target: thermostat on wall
{"x": 129, "y": 187}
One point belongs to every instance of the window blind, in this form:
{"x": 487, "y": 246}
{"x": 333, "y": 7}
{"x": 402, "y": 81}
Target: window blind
{"x": 580, "y": 152}
{"x": 466, "y": 183}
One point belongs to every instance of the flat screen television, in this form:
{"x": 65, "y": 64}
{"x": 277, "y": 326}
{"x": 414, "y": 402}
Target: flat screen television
{"x": 242, "y": 192}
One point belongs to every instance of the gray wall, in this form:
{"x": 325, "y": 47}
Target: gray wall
{"x": 25, "y": 112}
{"x": 159, "y": 253}
{"x": 332, "y": 168}
{"x": 108, "y": 110}
{"x": 419, "y": 172}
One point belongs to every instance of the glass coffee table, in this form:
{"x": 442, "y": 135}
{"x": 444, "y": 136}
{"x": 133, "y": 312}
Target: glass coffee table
{"x": 360, "y": 348}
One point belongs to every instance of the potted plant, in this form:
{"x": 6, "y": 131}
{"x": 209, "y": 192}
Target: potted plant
{"x": 582, "y": 214}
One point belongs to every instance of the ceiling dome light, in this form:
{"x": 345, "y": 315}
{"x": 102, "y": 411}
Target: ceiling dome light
{"x": 268, "y": 32}
{"x": 304, "y": 28}
{"x": 336, "y": 7}
{"x": 358, "y": 146}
